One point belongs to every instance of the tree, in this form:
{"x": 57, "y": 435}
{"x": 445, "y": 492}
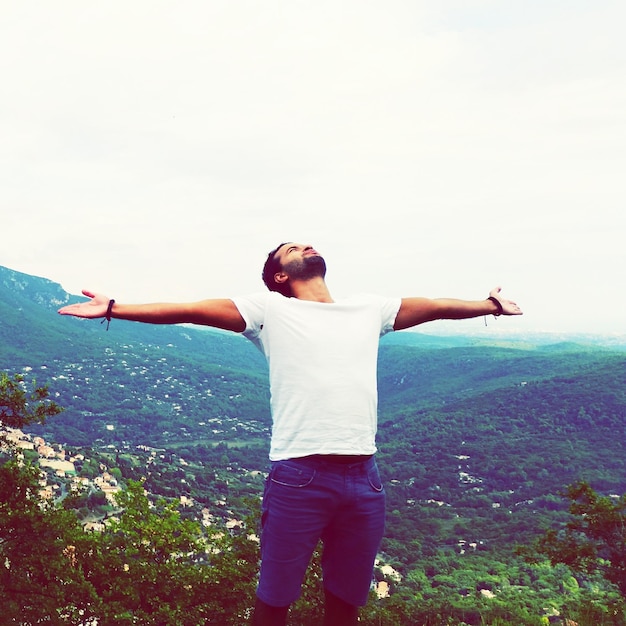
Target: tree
{"x": 40, "y": 543}
{"x": 147, "y": 567}
{"x": 19, "y": 406}
{"x": 594, "y": 539}
{"x": 41, "y": 548}
{"x": 154, "y": 568}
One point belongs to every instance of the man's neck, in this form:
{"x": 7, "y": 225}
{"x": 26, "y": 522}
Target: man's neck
{"x": 314, "y": 290}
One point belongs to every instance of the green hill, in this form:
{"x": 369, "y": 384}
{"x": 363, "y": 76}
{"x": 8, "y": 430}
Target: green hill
{"x": 477, "y": 436}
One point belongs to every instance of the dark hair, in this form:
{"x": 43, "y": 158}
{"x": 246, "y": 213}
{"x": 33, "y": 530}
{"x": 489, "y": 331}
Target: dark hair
{"x": 271, "y": 267}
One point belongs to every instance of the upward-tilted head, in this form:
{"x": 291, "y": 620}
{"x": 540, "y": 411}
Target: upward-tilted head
{"x": 291, "y": 261}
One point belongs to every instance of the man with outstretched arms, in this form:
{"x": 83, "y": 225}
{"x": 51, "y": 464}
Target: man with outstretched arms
{"x": 322, "y": 355}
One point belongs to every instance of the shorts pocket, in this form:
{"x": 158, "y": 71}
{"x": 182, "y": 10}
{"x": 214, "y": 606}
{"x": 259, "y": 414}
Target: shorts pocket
{"x": 292, "y": 475}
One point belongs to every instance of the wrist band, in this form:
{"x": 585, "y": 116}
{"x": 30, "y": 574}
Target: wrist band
{"x": 107, "y": 316}
{"x": 498, "y": 304}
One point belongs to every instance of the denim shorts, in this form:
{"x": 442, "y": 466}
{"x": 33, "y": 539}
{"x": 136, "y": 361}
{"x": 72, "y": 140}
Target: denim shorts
{"x": 309, "y": 499}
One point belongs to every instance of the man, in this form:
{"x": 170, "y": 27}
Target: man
{"x": 322, "y": 354}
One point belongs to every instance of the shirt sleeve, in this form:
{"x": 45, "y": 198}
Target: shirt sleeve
{"x": 389, "y": 312}
{"x": 252, "y": 308}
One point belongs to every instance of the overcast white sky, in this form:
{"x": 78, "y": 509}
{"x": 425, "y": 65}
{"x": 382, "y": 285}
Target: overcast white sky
{"x": 157, "y": 150}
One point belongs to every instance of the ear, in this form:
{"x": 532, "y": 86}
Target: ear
{"x": 280, "y": 278}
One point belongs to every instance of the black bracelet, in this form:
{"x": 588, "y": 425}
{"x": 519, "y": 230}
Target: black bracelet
{"x": 107, "y": 316}
{"x": 498, "y": 304}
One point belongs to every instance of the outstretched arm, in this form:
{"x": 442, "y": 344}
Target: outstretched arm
{"x": 219, "y": 313}
{"x": 414, "y": 311}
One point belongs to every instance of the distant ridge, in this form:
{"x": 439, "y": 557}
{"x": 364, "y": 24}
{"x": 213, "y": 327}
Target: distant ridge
{"x": 171, "y": 385}
{"x": 478, "y": 434}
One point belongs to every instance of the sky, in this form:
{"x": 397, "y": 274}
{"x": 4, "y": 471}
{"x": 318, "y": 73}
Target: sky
{"x": 157, "y": 151}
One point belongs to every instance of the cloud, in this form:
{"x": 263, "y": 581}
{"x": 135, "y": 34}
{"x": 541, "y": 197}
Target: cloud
{"x": 160, "y": 150}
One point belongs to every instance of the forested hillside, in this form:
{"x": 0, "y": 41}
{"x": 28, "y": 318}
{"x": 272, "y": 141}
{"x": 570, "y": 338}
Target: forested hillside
{"x": 477, "y": 438}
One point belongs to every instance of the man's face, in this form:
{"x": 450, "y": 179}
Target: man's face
{"x": 301, "y": 261}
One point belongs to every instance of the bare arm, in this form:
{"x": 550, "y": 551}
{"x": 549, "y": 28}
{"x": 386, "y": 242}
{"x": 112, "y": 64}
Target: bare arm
{"x": 414, "y": 311}
{"x": 219, "y": 313}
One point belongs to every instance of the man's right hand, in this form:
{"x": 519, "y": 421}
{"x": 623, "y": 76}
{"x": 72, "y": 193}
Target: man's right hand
{"x": 95, "y": 307}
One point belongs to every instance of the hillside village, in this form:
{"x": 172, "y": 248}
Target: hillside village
{"x": 476, "y": 443}
{"x": 60, "y": 475}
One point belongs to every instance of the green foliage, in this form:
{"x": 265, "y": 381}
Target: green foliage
{"x": 594, "y": 539}
{"x": 41, "y": 546}
{"x": 150, "y": 567}
{"x": 20, "y": 406}
{"x": 154, "y": 567}
{"x": 475, "y": 444}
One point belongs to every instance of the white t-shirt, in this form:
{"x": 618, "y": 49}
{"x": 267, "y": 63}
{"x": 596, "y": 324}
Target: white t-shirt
{"x": 322, "y": 365}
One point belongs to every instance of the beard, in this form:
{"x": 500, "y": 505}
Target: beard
{"x": 306, "y": 268}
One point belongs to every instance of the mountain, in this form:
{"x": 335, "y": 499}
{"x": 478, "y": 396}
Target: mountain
{"x": 31, "y": 328}
{"x": 139, "y": 383}
{"x": 168, "y": 385}
{"x": 478, "y": 436}
{"x": 171, "y": 385}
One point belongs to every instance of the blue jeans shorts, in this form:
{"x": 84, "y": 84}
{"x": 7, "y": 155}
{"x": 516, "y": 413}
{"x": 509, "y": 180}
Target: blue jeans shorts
{"x": 312, "y": 498}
